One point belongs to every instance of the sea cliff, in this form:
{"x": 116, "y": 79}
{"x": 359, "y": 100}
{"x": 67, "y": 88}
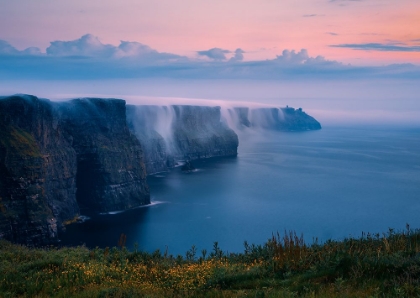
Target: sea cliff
{"x": 184, "y": 132}
{"x": 58, "y": 157}
{"x": 171, "y": 133}
{"x": 280, "y": 119}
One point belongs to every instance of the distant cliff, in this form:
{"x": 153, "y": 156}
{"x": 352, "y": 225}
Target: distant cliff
{"x": 184, "y": 132}
{"x": 281, "y": 119}
{"x": 58, "y": 157}
{"x": 180, "y": 132}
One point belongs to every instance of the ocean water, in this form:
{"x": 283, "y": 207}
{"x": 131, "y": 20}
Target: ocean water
{"x": 327, "y": 184}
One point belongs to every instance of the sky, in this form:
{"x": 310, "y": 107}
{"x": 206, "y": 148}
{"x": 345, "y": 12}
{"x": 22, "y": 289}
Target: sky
{"x": 353, "y": 58}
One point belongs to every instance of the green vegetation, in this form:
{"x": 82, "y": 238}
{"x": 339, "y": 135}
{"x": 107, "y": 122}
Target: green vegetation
{"x": 19, "y": 141}
{"x": 371, "y": 266}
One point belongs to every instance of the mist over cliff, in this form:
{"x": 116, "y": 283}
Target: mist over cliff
{"x": 170, "y": 133}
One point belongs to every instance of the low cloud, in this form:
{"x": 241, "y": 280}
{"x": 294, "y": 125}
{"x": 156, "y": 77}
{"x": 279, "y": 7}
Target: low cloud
{"x": 214, "y": 54}
{"x": 394, "y": 47}
{"x": 239, "y": 55}
{"x": 7, "y": 49}
{"x": 302, "y": 57}
{"x": 88, "y": 58}
{"x": 87, "y": 45}
{"x": 90, "y": 46}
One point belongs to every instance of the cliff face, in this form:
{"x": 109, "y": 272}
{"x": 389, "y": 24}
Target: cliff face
{"x": 175, "y": 132}
{"x": 152, "y": 126}
{"x": 200, "y": 133}
{"x": 281, "y": 119}
{"x": 110, "y": 170}
{"x": 37, "y": 171}
{"x": 57, "y": 156}
{"x": 167, "y": 133}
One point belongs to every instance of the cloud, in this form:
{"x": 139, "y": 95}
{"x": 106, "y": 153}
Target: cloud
{"x": 239, "y": 55}
{"x": 90, "y": 46}
{"x": 88, "y": 58}
{"x": 7, "y": 49}
{"x": 87, "y": 45}
{"x": 214, "y": 53}
{"x": 347, "y": 0}
{"x": 400, "y": 47}
{"x": 301, "y": 58}
{"x": 291, "y": 57}
{"x": 332, "y": 33}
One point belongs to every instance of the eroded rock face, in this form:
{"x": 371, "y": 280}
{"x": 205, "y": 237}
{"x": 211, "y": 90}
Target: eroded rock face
{"x": 55, "y": 157}
{"x": 37, "y": 172}
{"x": 152, "y": 126}
{"x": 180, "y": 132}
{"x": 110, "y": 171}
{"x": 281, "y": 119}
{"x": 200, "y": 133}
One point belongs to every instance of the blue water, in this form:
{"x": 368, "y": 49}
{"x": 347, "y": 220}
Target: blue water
{"x": 333, "y": 183}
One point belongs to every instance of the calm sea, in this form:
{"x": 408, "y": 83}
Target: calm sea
{"x": 327, "y": 184}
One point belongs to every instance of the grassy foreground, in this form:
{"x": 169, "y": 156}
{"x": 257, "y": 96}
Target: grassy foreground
{"x": 371, "y": 266}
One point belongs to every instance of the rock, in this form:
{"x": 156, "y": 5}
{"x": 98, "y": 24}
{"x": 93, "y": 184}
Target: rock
{"x": 55, "y": 157}
{"x": 37, "y": 172}
{"x": 169, "y": 133}
{"x": 280, "y": 119}
{"x": 111, "y": 173}
{"x": 187, "y": 167}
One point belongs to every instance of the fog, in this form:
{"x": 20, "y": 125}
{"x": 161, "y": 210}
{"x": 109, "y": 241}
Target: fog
{"x": 350, "y": 102}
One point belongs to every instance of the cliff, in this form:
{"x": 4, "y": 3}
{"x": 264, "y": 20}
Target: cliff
{"x": 281, "y": 119}
{"x": 55, "y": 157}
{"x": 92, "y": 154}
{"x": 37, "y": 171}
{"x": 200, "y": 133}
{"x": 110, "y": 170}
{"x": 152, "y": 125}
{"x": 183, "y": 132}
{"x": 180, "y": 132}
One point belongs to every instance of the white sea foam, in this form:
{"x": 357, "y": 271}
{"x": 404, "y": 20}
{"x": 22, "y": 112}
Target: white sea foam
{"x": 152, "y": 203}
{"x": 82, "y": 218}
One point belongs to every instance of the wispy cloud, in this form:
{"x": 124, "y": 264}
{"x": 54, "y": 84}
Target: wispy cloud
{"x": 332, "y": 33}
{"x": 346, "y": 1}
{"x": 394, "y": 47}
{"x": 7, "y": 49}
{"x": 214, "y": 53}
{"x": 313, "y": 15}
{"x": 371, "y": 34}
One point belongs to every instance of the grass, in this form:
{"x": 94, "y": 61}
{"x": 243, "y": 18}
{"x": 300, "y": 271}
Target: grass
{"x": 19, "y": 141}
{"x": 370, "y": 266}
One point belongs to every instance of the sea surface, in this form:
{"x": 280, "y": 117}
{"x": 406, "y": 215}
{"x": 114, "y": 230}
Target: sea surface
{"x": 328, "y": 184}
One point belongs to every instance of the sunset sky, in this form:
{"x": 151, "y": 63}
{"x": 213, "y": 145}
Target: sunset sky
{"x": 304, "y": 48}
{"x": 362, "y": 32}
